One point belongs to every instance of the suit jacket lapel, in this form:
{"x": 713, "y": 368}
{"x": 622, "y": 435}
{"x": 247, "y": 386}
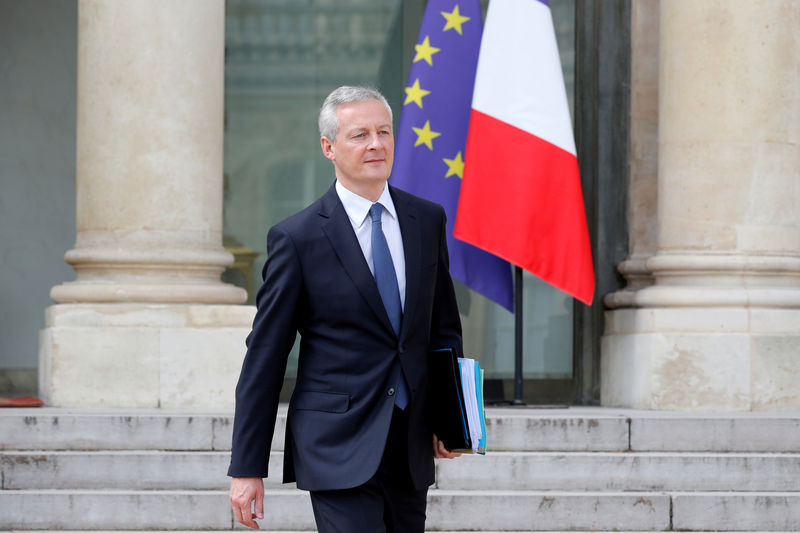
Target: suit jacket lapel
{"x": 412, "y": 239}
{"x": 339, "y": 231}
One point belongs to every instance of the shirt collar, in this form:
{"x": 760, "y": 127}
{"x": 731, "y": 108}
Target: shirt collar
{"x": 357, "y": 207}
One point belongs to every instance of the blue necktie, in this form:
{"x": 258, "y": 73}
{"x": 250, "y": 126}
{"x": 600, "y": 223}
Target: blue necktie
{"x": 386, "y": 278}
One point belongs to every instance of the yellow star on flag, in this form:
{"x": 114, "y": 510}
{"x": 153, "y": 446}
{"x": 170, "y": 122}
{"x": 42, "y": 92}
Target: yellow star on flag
{"x": 454, "y": 166}
{"x": 425, "y": 51}
{"x": 454, "y": 20}
{"x": 415, "y": 94}
{"x": 425, "y": 135}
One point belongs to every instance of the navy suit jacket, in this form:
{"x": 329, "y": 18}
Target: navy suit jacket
{"x": 317, "y": 283}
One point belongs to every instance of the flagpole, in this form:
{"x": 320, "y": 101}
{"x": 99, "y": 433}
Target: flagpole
{"x": 518, "y": 336}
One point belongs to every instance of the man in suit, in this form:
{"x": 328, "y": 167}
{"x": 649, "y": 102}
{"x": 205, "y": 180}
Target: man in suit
{"x": 362, "y": 275}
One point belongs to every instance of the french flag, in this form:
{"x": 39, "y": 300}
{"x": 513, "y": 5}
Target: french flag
{"x": 521, "y": 196}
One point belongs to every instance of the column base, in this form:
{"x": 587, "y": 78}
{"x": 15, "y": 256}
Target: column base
{"x": 169, "y": 293}
{"x": 141, "y": 355}
{"x": 138, "y": 271}
{"x": 702, "y": 358}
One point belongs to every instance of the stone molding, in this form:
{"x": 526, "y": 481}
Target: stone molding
{"x": 711, "y": 280}
{"x": 148, "y": 275}
{"x": 167, "y": 292}
{"x": 637, "y": 276}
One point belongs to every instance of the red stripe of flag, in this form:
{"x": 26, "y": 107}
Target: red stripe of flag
{"x": 521, "y": 200}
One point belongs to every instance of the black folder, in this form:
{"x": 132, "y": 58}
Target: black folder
{"x": 447, "y": 409}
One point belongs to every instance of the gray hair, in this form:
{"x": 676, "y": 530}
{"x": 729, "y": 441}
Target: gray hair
{"x": 329, "y": 122}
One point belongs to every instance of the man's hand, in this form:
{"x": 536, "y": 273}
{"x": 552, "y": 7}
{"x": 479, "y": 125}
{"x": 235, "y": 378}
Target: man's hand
{"x": 245, "y": 490}
{"x": 440, "y": 452}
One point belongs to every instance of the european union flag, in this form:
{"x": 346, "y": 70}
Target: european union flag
{"x": 432, "y": 133}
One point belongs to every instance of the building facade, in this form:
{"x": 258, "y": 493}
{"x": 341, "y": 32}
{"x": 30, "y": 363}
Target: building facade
{"x": 184, "y": 129}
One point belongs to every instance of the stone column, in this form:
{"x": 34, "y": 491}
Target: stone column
{"x": 149, "y": 154}
{"x": 720, "y": 328}
{"x": 149, "y": 248}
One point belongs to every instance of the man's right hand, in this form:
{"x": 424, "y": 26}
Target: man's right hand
{"x": 244, "y": 491}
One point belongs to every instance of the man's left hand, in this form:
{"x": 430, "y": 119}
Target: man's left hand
{"x": 440, "y": 452}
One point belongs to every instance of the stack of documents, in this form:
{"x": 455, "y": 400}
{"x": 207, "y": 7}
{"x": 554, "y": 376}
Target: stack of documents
{"x": 457, "y": 402}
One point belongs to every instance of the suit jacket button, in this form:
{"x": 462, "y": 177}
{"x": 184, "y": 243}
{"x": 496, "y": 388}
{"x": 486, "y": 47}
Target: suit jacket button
{"x": 391, "y": 391}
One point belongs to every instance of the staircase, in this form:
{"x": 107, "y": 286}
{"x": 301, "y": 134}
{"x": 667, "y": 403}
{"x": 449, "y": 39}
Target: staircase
{"x": 578, "y": 469}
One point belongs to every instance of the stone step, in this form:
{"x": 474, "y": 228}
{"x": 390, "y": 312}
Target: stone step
{"x": 291, "y": 509}
{"x": 631, "y": 471}
{"x": 595, "y": 471}
{"x": 57, "y": 429}
{"x": 146, "y": 429}
{"x": 448, "y": 510}
{"x": 739, "y": 432}
{"x": 736, "y": 511}
{"x": 543, "y": 510}
{"x": 125, "y": 470}
{"x": 574, "y": 429}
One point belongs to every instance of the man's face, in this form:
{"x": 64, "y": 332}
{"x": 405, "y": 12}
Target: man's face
{"x": 364, "y": 150}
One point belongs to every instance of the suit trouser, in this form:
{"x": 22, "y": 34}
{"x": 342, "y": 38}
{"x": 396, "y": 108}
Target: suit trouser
{"x": 387, "y": 502}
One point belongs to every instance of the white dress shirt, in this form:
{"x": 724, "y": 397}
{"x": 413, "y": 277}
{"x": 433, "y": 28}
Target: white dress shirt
{"x": 357, "y": 208}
